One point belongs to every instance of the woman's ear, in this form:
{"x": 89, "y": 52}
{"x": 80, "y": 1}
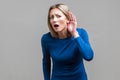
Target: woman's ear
{"x": 67, "y": 21}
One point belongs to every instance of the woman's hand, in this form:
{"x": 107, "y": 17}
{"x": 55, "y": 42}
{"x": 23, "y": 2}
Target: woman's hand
{"x": 72, "y": 25}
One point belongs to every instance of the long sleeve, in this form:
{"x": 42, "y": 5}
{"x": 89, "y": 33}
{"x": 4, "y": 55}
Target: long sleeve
{"x": 84, "y": 45}
{"x": 46, "y": 60}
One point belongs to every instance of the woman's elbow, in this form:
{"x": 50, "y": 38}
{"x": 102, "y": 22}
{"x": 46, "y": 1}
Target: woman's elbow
{"x": 89, "y": 56}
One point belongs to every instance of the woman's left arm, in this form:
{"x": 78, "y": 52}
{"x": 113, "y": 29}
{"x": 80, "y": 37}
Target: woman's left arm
{"x": 81, "y": 39}
{"x": 84, "y": 45}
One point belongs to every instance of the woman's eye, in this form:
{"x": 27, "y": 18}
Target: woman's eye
{"x": 58, "y": 16}
{"x": 52, "y": 17}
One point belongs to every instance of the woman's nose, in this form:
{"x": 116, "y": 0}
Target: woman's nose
{"x": 55, "y": 19}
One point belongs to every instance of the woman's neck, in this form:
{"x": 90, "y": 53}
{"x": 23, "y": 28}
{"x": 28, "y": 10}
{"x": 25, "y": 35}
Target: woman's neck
{"x": 63, "y": 34}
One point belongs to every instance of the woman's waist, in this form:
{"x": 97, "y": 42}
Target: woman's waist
{"x": 68, "y": 69}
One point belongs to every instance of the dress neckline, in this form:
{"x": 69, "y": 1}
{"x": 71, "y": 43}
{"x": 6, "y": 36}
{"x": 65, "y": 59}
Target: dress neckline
{"x": 67, "y": 38}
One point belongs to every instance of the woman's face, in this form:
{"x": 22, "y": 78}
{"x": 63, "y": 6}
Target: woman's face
{"x": 58, "y": 20}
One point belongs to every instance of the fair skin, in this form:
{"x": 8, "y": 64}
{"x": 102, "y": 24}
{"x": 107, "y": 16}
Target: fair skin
{"x": 62, "y": 25}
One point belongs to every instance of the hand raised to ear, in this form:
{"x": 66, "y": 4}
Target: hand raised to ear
{"x": 72, "y": 25}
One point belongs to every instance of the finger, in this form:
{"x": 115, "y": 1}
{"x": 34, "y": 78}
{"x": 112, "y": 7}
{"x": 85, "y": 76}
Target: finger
{"x": 74, "y": 18}
{"x": 71, "y": 17}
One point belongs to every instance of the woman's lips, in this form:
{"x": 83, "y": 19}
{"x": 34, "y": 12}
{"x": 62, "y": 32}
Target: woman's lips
{"x": 56, "y": 25}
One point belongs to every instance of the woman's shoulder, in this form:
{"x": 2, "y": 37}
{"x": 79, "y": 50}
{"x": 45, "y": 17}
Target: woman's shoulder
{"x": 45, "y": 36}
{"x": 81, "y": 30}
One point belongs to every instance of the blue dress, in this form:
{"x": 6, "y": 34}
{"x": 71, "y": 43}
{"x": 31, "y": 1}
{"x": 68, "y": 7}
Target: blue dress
{"x": 66, "y": 56}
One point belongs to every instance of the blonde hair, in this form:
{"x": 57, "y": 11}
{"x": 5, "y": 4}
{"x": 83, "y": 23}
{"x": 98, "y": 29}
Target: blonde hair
{"x": 64, "y": 9}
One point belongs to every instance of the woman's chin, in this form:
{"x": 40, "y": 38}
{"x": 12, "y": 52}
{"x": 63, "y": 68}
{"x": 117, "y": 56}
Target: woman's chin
{"x": 57, "y": 30}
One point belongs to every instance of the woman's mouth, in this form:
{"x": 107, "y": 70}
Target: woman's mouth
{"x": 56, "y": 25}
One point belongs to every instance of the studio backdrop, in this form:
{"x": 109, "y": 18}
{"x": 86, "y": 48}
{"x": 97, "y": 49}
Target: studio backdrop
{"x": 23, "y": 22}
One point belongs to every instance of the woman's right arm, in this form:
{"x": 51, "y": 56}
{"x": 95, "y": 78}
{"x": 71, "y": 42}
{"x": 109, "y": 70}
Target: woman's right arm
{"x": 46, "y": 61}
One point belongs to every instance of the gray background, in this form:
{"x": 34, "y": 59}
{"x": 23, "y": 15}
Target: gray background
{"x": 22, "y": 23}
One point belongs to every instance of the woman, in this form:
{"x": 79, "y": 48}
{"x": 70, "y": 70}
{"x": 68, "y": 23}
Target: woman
{"x": 66, "y": 45}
